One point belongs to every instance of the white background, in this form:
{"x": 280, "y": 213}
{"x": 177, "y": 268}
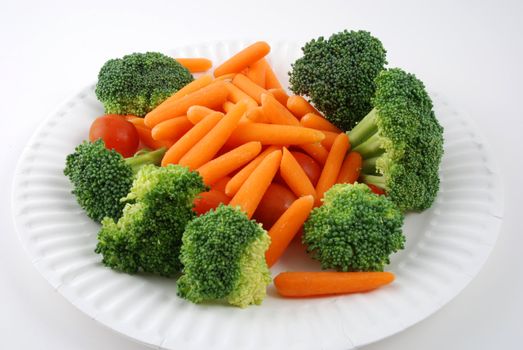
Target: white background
{"x": 471, "y": 51}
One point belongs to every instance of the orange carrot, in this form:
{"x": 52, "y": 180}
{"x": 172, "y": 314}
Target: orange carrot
{"x": 195, "y": 65}
{"x": 243, "y": 59}
{"x": 315, "y": 121}
{"x": 299, "y": 106}
{"x": 256, "y": 115}
{"x": 350, "y": 169}
{"x": 135, "y": 120}
{"x": 329, "y": 139}
{"x": 271, "y": 80}
{"x": 249, "y": 87}
{"x": 316, "y": 151}
{"x": 144, "y": 133}
{"x": 284, "y": 230}
{"x": 187, "y": 141}
{"x": 220, "y": 184}
{"x": 332, "y": 166}
{"x": 280, "y": 95}
{"x": 217, "y": 168}
{"x": 308, "y": 284}
{"x": 171, "y": 129}
{"x": 294, "y": 175}
{"x": 239, "y": 178}
{"x": 227, "y": 106}
{"x": 276, "y": 112}
{"x": 195, "y": 114}
{"x": 210, "y": 96}
{"x": 272, "y": 134}
{"x": 251, "y": 192}
{"x": 257, "y": 71}
{"x": 193, "y": 86}
{"x": 236, "y": 95}
{"x": 209, "y": 200}
{"x": 226, "y": 77}
{"x": 210, "y": 144}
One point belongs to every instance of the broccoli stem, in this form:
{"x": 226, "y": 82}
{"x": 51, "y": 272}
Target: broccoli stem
{"x": 150, "y": 157}
{"x": 364, "y": 129}
{"x": 376, "y": 180}
{"x": 371, "y": 147}
{"x": 369, "y": 165}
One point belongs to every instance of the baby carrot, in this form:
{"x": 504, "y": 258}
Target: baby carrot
{"x": 193, "y": 86}
{"x": 284, "y": 230}
{"x": 315, "y": 121}
{"x": 295, "y": 176}
{"x": 195, "y": 114}
{"x": 316, "y": 151}
{"x": 226, "y": 77}
{"x": 236, "y": 95}
{"x": 280, "y": 95}
{"x": 276, "y": 112}
{"x": 256, "y": 115}
{"x": 195, "y": 65}
{"x": 171, "y": 129}
{"x": 210, "y": 144}
{"x": 308, "y": 284}
{"x": 272, "y": 134}
{"x": 329, "y": 138}
{"x": 271, "y": 80}
{"x": 299, "y": 106}
{"x": 350, "y": 169}
{"x": 217, "y": 168}
{"x": 210, "y": 96}
{"x": 256, "y": 72}
{"x": 209, "y": 200}
{"x": 243, "y": 59}
{"x": 251, "y": 192}
{"x": 144, "y": 134}
{"x": 227, "y": 106}
{"x": 187, "y": 141}
{"x": 332, "y": 166}
{"x": 239, "y": 178}
{"x": 249, "y": 87}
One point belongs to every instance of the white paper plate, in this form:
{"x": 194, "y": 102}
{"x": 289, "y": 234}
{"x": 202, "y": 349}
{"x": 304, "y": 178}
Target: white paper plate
{"x": 446, "y": 247}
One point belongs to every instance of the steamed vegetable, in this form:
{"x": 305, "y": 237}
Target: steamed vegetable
{"x": 338, "y": 75}
{"x": 136, "y": 83}
{"x": 101, "y": 177}
{"x": 354, "y": 229}
{"x": 148, "y": 236}
{"x": 401, "y": 141}
{"x": 223, "y": 255}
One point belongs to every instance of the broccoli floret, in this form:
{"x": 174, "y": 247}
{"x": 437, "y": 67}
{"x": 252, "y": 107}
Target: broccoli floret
{"x": 401, "y": 141}
{"x": 223, "y": 254}
{"x": 338, "y": 74}
{"x": 354, "y": 229}
{"x": 101, "y": 177}
{"x": 148, "y": 236}
{"x": 138, "y": 82}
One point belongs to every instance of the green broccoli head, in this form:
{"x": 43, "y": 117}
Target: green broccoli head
{"x": 223, "y": 254}
{"x": 148, "y": 236}
{"x": 401, "y": 141}
{"x": 338, "y": 75}
{"x": 137, "y": 83}
{"x": 354, "y": 229}
{"x": 101, "y": 177}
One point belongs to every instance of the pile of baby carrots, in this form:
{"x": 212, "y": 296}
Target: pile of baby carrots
{"x": 239, "y": 129}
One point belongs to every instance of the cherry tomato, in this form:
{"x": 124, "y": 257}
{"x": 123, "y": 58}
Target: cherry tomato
{"x": 209, "y": 200}
{"x": 376, "y": 189}
{"x": 309, "y": 165}
{"x": 116, "y": 132}
{"x": 275, "y": 201}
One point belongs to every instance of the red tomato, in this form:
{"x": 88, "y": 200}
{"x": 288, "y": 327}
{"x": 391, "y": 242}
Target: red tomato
{"x": 275, "y": 201}
{"x": 376, "y": 189}
{"x": 116, "y": 132}
{"x": 209, "y": 200}
{"x": 309, "y": 165}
